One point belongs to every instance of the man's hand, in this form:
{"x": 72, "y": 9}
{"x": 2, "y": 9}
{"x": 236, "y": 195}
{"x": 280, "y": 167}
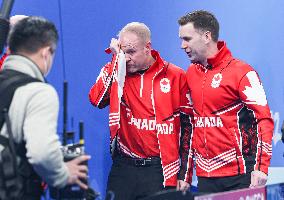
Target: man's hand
{"x": 78, "y": 171}
{"x": 182, "y": 186}
{"x": 258, "y": 178}
{"x": 114, "y": 46}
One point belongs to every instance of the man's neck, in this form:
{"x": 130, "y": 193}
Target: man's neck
{"x": 150, "y": 61}
{"x": 212, "y": 51}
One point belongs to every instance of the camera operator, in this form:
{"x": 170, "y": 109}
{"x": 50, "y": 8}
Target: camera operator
{"x": 34, "y": 107}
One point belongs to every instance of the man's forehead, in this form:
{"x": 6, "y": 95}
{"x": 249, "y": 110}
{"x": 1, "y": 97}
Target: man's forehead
{"x": 129, "y": 40}
{"x": 187, "y": 30}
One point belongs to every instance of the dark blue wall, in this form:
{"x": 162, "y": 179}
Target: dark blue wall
{"x": 252, "y": 29}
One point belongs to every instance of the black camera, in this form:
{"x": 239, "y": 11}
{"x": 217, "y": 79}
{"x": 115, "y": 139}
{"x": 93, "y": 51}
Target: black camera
{"x": 72, "y": 191}
{"x": 70, "y": 152}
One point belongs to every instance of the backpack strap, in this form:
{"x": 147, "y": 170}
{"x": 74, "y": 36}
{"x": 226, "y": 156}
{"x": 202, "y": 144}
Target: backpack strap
{"x": 15, "y": 179}
{"x": 10, "y": 80}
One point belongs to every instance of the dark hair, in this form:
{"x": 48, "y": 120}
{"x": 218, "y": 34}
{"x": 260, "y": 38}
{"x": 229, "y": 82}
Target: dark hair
{"x": 32, "y": 33}
{"x": 202, "y": 20}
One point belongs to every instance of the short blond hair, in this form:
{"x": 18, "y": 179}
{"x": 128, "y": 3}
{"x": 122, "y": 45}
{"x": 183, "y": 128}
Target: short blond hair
{"x": 140, "y": 29}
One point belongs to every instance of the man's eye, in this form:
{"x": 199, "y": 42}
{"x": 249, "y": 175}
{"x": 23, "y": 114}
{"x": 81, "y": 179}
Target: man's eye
{"x": 187, "y": 39}
{"x": 130, "y": 52}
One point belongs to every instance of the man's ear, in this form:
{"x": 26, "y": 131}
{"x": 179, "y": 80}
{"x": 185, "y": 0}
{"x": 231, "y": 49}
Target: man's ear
{"x": 44, "y": 51}
{"x": 207, "y": 37}
{"x": 148, "y": 47}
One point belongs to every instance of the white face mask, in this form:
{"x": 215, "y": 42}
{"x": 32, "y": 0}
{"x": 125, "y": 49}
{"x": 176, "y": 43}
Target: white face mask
{"x": 46, "y": 70}
{"x": 47, "y": 67}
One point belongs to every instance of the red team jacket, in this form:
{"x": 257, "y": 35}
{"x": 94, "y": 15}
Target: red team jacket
{"x": 169, "y": 102}
{"x": 232, "y": 122}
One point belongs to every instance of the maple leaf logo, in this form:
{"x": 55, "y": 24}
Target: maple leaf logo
{"x": 216, "y": 80}
{"x": 165, "y": 85}
{"x": 255, "y": 93}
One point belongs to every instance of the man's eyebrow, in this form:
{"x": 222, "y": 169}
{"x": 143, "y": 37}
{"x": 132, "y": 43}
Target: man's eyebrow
{"x": 128, "y": 46}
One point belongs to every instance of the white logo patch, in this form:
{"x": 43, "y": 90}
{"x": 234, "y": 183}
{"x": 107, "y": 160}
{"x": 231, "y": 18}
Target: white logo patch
{"x": 216, "y": 80}
{"x": 165, "y": 85}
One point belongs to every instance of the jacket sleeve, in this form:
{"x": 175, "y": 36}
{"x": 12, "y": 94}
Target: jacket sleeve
{"x": 2, "y": 59}
{"x": 99, "y": 94}
{"x": 42, "y": 142}
{"x": 253, "y": 96}
{"x": 185, "y": 151}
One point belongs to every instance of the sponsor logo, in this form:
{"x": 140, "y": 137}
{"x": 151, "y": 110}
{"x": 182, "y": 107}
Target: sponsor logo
{"x": 208, "y": 122}
{"x": 217, "y": 78}
{"x": 257, "y": 196}
{"x": 145, "y": 124}
{"x": 165, "y": 85}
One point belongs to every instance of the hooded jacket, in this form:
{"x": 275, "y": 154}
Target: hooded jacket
{"x": 170, "y": 102}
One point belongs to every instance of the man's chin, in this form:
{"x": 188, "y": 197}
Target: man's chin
{"x": 193, "y": 60}
{"x": 130, "y": 70}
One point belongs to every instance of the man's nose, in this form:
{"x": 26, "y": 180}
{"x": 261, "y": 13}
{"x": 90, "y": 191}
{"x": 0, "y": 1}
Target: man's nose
{"x": 183, "y": 44}
{"x": 127, "y": 58}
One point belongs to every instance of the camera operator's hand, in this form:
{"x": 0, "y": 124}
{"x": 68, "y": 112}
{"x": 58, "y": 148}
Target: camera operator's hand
{"x": 78, "y": 171}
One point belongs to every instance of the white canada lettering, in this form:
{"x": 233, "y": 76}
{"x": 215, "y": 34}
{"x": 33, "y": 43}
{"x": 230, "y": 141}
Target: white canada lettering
{"x": 201, "y": 122}
{"x": 145, "y": 124}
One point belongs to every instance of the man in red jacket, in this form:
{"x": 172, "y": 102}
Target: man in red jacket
{"x": 148, "y": 120}
{"x": 233, "y": 127}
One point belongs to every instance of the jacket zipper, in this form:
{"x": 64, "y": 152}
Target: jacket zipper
{"x": 204, "y": 131}
{"x": 141, "y": 85}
